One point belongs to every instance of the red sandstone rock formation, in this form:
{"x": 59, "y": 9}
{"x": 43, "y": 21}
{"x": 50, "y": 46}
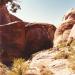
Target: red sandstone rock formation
{"x": 12, "y": 37}
{"x": 22, "y": 39}
{"x": 16, "y": 40}
{"x": 49, "y": 63}
{"x": 39, "y": 36}
{"x": 4, "y": 15}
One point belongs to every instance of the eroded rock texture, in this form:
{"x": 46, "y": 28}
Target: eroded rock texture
{"x": 52, "y": 63}
{"x": 22, "y": 39}
{"x": 63, "y": 31}
{"x": 12, "y": 40}
{"x": 16, "y": 40}
{"x": 39, "y": 36}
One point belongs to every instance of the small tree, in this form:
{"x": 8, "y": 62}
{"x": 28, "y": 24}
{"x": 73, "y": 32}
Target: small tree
{"x": 14, "y": 5}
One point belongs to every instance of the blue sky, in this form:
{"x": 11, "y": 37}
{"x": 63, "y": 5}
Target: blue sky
{"x": 47, "y": 11}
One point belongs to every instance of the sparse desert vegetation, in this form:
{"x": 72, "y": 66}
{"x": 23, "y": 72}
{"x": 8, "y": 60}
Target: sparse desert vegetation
{"x": 41, "y": 65}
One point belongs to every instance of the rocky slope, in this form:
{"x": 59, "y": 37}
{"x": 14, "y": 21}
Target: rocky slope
{"x": 65, "y": 32}
{"x": 61, "y": 58}
{"x": 55, "y": 61}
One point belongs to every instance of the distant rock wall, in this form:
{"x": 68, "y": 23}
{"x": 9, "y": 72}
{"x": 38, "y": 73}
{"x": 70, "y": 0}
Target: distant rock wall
{"x": 63, "y": 31}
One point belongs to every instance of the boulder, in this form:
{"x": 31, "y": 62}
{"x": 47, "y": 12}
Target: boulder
{"x": 39, "y": 36}
{"x": 63, "y": 31}
{"x": 18, "y": 39}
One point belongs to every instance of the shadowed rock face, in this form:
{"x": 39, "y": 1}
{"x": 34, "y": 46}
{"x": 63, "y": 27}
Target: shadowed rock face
{"x": 4, "y": 15}
{"x": 12, "y": 40}
{"x": 63, "y": 31}
{"x": 39, "y": 36}
{"x": 18, "y": 40}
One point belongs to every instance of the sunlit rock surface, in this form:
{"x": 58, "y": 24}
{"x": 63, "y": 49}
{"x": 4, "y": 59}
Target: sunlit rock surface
{"x": 53, "y": 62}
{"x": 63, "y": 31}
